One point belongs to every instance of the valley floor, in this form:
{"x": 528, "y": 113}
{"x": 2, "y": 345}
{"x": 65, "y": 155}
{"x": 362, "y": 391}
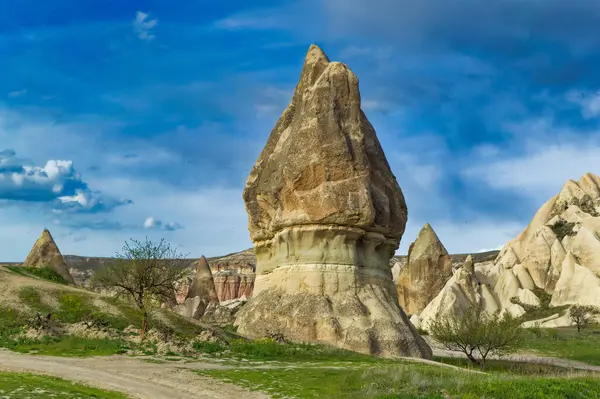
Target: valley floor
{"x": 138, "y": 378}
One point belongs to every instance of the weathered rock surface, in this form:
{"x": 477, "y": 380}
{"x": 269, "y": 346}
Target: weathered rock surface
{"x": 45, "y": 253}
{"x": 428, "y": 269}
{"x": 559, "y": 252}
{"x": 234, "y": 275}
{"x": 243, "y": 263}
{"x": 225, "y": 312}
{"x": 325, "y": 215}
{"x": 201, "y": 293}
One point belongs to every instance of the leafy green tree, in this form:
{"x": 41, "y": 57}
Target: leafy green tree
{"x": 145, "y": 272}
{"x": 582, "y": 315}
{"x": 478, "y": 334}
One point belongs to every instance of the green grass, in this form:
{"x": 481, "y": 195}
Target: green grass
{"x": 45, "y": 273}
{"x": 403, "y": 381}
{"x": 22, "y": 385}
{"x": 70, "y": 346}
{"x": 508, "y": 367}
{"x": 567, "y": 343}
{"x": 269, "y": 350}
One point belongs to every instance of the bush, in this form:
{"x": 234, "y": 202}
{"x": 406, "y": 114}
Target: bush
{"x": 582, "y": 316}
{"x": 562, "y": 229}
{"x": 208, "y": 347}
{"x": 478, "y": 334}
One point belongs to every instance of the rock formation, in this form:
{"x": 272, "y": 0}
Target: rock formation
{"x": 558, "y": 253}
{"x": 428, "y": 269}
{"x": 326, "y": 214}
{"x": 201, "y": 293}
{"x": 231, "y": 284}
{"x": 45, "y": 253}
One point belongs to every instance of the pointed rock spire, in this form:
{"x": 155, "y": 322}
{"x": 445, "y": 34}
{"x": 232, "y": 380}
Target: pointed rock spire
{"x": 323, "y": 204}
{"x": 428, "y": 268}
{"x": 203, "y": 284}
{"x": 45, "y": 253}
{"x": 469, "y": 266}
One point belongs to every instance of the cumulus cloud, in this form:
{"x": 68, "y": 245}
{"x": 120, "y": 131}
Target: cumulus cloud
{"x": 57, "y": 183}
{"x": 152, "y": 223}
{"x": 143, "y": 26}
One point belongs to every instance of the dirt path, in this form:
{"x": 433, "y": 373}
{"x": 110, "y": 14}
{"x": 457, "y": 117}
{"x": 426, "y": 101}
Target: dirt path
{"x": 131, "y": 376}
{"x": 527, "y": 358}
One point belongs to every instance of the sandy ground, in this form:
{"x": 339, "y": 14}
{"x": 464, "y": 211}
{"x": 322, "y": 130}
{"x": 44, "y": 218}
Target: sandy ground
{"x": 131, "y": 376}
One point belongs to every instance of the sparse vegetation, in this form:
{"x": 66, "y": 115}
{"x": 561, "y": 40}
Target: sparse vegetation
{"x": 541, "y": 311}
{"x": 582, "y": 316}
{"x": 24, "y": 385}
{"x": 46, "y": 273}
{"x": 562, "y": 228}
{"x": 403, "y": 381}
{"x": 145, "y": 272}
{"x": 566, "y": 343}
{"x": 478, "y": 334}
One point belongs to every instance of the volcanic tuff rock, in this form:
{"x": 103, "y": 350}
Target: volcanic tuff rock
{"x": 559, "y": 252}
{"x": 234, "y": 275}
{"x": 326, "y": 214}
{"x": 45, "y": 253}
{"x": 201, "y": 294}
{"x": 428, "y": 269}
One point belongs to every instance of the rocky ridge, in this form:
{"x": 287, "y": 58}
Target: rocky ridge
{"x": 559, "y": 253}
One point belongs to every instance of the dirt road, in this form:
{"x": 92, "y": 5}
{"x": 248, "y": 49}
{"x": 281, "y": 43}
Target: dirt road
{"x": 527, "y": 358}
{"x": 131, "y": 376}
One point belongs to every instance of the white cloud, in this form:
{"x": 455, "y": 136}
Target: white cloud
{"x": 57, "y": 183}
{"x": 17, "y": 93}
{"x": 143, "y": 26}
{"x": 151, "y": 223}
{"x": 541, "y": 170}
{"x": 588, "y": 101}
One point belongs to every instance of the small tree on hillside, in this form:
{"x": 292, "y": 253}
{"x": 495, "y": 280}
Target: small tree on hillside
{"x": 478, "y": 334}
{"x": 582, "y": 315}
{"x": 144, "y": 271}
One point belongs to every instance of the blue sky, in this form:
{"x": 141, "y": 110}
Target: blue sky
{"x": 124, "y": 119}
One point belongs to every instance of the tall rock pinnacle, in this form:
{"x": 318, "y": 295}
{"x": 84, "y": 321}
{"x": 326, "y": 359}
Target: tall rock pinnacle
{"x": 45, "y": 253}
{"x": 325, "y": 214}
{"x": 428, "y": 269}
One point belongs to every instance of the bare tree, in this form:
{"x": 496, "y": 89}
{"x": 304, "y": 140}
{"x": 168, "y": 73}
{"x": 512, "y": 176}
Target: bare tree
{"x": 144, "y": 271}
{"x": 582, "y": 315}
{"x": 478, "y": 334}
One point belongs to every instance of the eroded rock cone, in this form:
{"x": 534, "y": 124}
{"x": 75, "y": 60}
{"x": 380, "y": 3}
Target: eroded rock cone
{"x": 428, "y": 269}
{"x": 201, "y": 294}
{"x": 45, "y": 253}
{"x": 325, "y": 215}
{"x": 558, "y": 252}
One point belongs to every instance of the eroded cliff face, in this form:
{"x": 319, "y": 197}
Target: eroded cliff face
{"x": 234, "y": 275}
{"x": 326, "y": 214}
{"x": 559, "y": 253}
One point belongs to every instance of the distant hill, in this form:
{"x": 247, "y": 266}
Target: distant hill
{"x": 83, "y": 267}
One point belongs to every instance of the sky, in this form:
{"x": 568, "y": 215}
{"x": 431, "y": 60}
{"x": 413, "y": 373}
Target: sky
{"x": 132, "y": 119}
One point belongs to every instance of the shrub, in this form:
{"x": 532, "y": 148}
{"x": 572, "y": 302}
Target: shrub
{"x": 562, "y": 229}
{"x": 475, "y": 332}
{"x": 582, "y": 316}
